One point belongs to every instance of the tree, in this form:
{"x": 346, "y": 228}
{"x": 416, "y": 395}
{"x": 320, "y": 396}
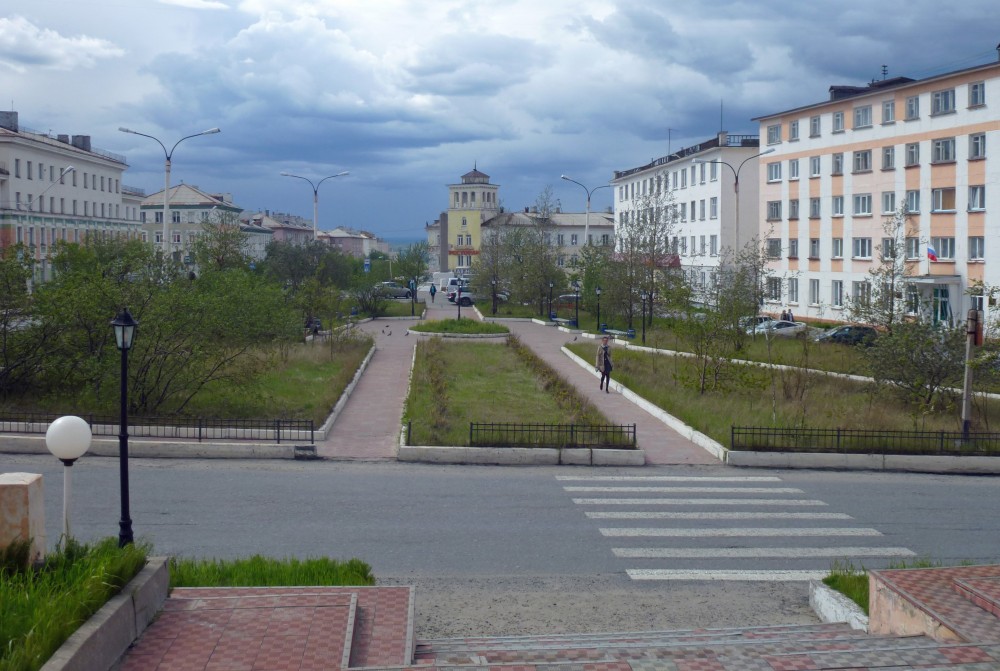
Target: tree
{"x": 22, "y": 342}
{"x": 412, "y": 261}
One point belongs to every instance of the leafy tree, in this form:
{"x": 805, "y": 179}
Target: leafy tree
{"x": 412, "y": 261}
{"x": 222, "y": 244}
{"x": 22, "y": 342}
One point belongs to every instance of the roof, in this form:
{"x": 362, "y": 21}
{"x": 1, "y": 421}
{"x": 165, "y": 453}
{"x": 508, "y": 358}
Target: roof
{"x": 556, "y": 219}
{"x": 185, "y": 195}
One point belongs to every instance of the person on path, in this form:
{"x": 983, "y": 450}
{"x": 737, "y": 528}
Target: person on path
{"x": 604, "y": 364}
{"x": 433, "y": 292}
{"x": 790, "y": 317}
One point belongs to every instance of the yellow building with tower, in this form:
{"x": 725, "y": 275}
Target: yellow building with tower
{"x": 470, "y": 203}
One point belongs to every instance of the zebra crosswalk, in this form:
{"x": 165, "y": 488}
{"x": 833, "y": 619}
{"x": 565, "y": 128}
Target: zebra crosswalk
{"x": 684, "y": 527}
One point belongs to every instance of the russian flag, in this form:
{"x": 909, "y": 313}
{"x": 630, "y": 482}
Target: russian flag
{"x": 931, "y": 254}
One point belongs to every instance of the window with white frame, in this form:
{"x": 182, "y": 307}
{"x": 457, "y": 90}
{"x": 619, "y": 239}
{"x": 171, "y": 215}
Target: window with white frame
{"x": 861, "y": 248}
{"x": 912, "y": 154}
{"x": 837, "y": 205}
{"x": 888, "y": 248}
{"x": 814, "y": 166}
{"x": 837, "y": 163}
{"x": 912, "y": 108}
{"x": 701, "y": 209}
{"x": 813, "y": 248}
{"x": 977, "y": 94}
{"x": 793, "y": 248}
{"x": 814, "y": 126}
{"x": 943, "y": 102}
{"x": 774, "y": 134}
{"x": 863, "y": 116}
{"x": 701, "y": 173}
{"x": 793, "y": 131}
{"x": 793, "y": 208}
{"x": 944, "y": 246}
{"x": 943, "y": 200}
{"x": 774, "y": 288}
{"x": 977, "y": 145}
{"x": 862, "y": 204}
{"x": 702, "y": 245}
{"x": 863, "y": 160}
{"x": 889, "y": 111}
{"x": 838, "y": 248}
{"x": 814, "y": 208}
{"x": 913, "y": 200}
{"x": 573, "y": 239}
{"x": 684, "y": 211}
{"x": 943, "y": 150}
{"x": 838, "y": 122}
{"x": 774, "y": 248}
{"x": 713, "y": 207}
{"x": 813, "y": 292}
{"x": 793, "y": 168}
{"x": 977, "y": 248}
{"x": 773, "y": 210}
{"x": 888, "y": 202}
{"x": 861, "y": 292}
{"x": 837, "y": 293}
{"x": 713, "y": 172}
{"x": 889, "y": 158}
{"x": 714, "y": 245}
{"x": 977, "y": 197}
{"x": 912, "y": 247}
{"x": 774, "y": 172}
{"x": 793, "y": 290}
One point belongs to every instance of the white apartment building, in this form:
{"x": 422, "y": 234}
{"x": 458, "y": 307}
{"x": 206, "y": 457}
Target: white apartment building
{"x": 712, "y": 188}
{"x": 60, "y": 189}
{"x": 565, "y": 231}
{"x": 840, "y": 167}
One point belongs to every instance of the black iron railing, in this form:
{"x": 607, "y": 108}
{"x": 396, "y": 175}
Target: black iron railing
{"x": 616, "y": 436}
{"x": 177, "y": 428}
{"x": 862, "y": 441}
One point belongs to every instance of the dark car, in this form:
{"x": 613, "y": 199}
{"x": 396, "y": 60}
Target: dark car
{"x": 849, "y": 334}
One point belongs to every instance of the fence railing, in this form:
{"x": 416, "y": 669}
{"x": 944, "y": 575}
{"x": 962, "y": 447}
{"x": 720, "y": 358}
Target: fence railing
{"x": 769, "y": 439}
{"x": 552, "y": 435}
{"x": 186, "y": 428}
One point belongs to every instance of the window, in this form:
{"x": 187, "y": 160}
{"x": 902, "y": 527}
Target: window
{"x": 793, "y": 131}
{"x": 838, "y": 206}
{"x": 861, "y": 292}
{"x": 30, "y": 176}
{"x": 814, "y": 208}
{"x": 977, "y": 197}
{"x": 913, "y": 201}
{"x": 684, "y": 211}
{"x": 774, "y": 248}
{"x": 813, "y": 248}
{"x": 943, "y": 200}
{"x": 863, "y": 161}
{"x": 977, "y": 145}
{"x": 977, "y": 94}
{"x": 912, "y": 248}
{"x": 862, "y": 203}
{"x": 793, "y": 169}
{"x": 838, "y": 164}
{"x": 814, "y": 166}
{"x": 945, "y": 247}
{"x": 774, "y": 172}
{"x": 889, "y": 111}
{"x": 888, "y": 202}
{"x": 838, "y": 248}
{"x": 861, "y": 248}
{"x": 773, "y": 210}
{"x": 912, "y": 154}
{"x": 774, "y": 134}
{"x": 774, "y": 288}
{"x": 561, "y": 239}
{"x": 714, "y": 245}
{"x": 793, "y": 290}
{"x": 713, "y": 172}
{"x": 701, "y": 173}
{"x": 943, "y": 102}
{"x": 838, "y": 122}
{"x": 943, "y": 150}
{"x": 793, "y": 209}
{"x": 701, "y": 209}
{"x": 814, "y": 292}
{"x": 888, "y": 158}
{"x": 713, "y": 207}
{"x": 793, "y": 248}
{"x": 17, "y": 167}
{"x": 888, "y": 248}
{"x": 912, "y": 108}
{"x": 702, "y": 246}
{"x": 814, "y": 126}
{"x": 977, "y": 248}
{"x": 837, "y": 293}
{"x": 863, "y": 116}
{"x": 573, "y": 240}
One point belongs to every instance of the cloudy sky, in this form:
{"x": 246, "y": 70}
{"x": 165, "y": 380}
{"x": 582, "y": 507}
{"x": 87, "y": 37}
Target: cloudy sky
{"x": 408, "y": 95}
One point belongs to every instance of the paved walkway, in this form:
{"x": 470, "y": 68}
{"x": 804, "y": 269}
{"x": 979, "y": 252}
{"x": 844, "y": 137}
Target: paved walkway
{"x": 368, "y": 426}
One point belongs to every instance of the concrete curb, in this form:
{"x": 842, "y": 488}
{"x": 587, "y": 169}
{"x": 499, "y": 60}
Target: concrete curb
{"x": 142, "y": 449}
{"x": 832, "y": 606}
{"x": 322, "y": 431}
{"x": 101, "y": 641}
{"x": 496, "y": 456}
{"x": 916, "y": 463}
{"x": 458, "y": 335}
{"x": 712, "y": 446}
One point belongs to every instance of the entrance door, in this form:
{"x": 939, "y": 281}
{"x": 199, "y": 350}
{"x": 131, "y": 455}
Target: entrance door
{"x": 941, "y": 306}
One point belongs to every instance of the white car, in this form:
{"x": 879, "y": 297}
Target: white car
{"x": 780, "y": 327}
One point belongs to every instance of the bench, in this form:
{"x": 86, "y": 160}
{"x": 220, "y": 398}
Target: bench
{"x": 620, "y": 334}
{"x": 565, "y": 322}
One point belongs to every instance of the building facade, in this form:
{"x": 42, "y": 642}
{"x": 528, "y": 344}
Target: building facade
{"x": 919, "y": 149}
{"x": 60, "y": 188}
{"x": 470, "y": 203}
{"x": 565, "y": 231}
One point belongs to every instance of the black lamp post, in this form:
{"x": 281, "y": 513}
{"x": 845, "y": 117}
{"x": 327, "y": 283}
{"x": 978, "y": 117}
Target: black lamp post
{"x": 413, "y": 296}
{"x": 493, "y": 285}
{"x": 458, "y": 300}
{"x": 124, "y": 326}
{"x": 551, "y": 284}
{"x": 643, "y": 296}
{"x": 576, "y": 287}
{"x": 598, "y": 292}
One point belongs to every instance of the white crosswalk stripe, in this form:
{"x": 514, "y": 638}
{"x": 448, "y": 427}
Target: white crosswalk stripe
{"x": 687, "y": 536}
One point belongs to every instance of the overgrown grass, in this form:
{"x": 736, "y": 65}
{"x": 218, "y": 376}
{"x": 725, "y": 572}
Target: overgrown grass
{"x": 258, "y": 571}
{"x": 466, "y": 326}
{"x": 458, "y": 382}
{"x": 41, "y": 608}
{"x": 399, "y": 308}
{"x": 852, "y": 581}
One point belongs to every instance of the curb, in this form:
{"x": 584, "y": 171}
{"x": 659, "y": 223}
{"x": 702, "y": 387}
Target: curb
{"x": 458, "y": 335}
{"x": 102, "y": 640}
{"x": 519, "y": 456}
{"x": 108, "y": 447}
{"x": 832, "y": 606}
{"x": 344, "y": 397}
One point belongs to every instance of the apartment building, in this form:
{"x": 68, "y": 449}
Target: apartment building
{"x": 60, "y": 188}
{"x": 564, "y": 231}
{"x": 842, "y": 166}
{"x": 709, "y": 190}
{"x": 470, "y": 203}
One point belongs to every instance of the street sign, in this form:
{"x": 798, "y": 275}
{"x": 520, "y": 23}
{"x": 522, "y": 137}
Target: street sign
{"x": 368, "y": 265}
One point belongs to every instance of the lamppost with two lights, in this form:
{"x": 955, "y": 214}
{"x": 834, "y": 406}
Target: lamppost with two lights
{"x": 576, "y": 288}
{"x": 124, "y": 326}
{"x": 643, "y": 295}
{"x": 315, "y": 188}
{"x": 590, "y": 192}
{"x": 62, "y": 173}
{"x": 736, "y": 184}
{"x": 493, "y": 285}
{"x": 598, "y": 292}
{"x": 551, "y": 285}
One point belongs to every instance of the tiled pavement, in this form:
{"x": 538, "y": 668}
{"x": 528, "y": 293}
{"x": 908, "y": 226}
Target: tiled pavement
{"x": 283, "y": 629}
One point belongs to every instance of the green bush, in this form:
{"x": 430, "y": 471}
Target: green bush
{"x": 465, "y": 326}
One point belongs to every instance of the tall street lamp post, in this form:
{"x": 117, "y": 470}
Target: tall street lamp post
{"x": 67, "y": 439}
{"x": 598, "y": 292}
{"x": 166, "y": 180}
{"x": 576, "y": 287}
{"x": 551, "y": 285}
{"x": 644, "y": 296}
{"x": 493, "y": 284}
{"x": 736, "y": 184}
{"x": 62, "y": 173}
{"x": 124, "y": 326}
{"x": 590, "y": 192}
{"x": 315, "y": 188}
{"x": 458, "y": 300}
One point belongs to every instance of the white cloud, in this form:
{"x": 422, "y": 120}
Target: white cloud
{"x": 196, "y": 4}
{"x": 24, "y": 46}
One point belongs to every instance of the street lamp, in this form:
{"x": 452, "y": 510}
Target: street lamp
{"x": 736, "y": 184}
{"x": 166, "y": 181}
{"x": 590, "y": 192}
{"x": 458, "y": 300}
{"x": 493, "y": 283}
{"x": 67, "y": 439}
{"x": 315, "y": 188}
{"x": 576, "y": 287}
{"x": 124, "y": 326}
{"x": 551, "y": 284}
{"x": 62, "y": 173}
{"x": 644, "y": 296}
{"x": 598, "y": 292}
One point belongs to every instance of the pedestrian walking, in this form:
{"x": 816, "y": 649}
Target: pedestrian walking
{"x": 433, "y": 292}
{"x": 604, "y": 364}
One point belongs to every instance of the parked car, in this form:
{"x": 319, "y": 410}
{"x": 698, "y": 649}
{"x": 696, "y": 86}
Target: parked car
{"x": 393, "y": 290}
{"x": 849, "y": 334}
{"x": 780, "y": 327}
{"x": 751, "y": 323}
{"x": 452, "y": 291}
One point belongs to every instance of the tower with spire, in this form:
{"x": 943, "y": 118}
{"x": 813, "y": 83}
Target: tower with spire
{"x": 470, "y": 203}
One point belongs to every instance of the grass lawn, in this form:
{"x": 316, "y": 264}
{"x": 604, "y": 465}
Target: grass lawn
{"x": 399, "y": 308}
{"x": 258, "y": 571}
{"x": 466, "y": 326}
{"x": 458, "y": 382}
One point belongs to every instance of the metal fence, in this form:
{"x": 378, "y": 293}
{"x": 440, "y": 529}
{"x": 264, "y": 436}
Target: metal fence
{"x": 178, "y": 428}
{"x": 551, "y": 435}
{"x": 769, "y": 439}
